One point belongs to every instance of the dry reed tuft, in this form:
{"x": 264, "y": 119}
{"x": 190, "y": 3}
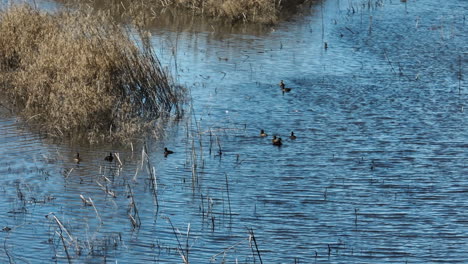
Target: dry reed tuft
{"x": 70, "y": 73}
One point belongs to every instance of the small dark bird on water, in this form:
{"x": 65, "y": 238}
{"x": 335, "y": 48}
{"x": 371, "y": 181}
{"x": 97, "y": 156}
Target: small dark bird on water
{"x": 77, "y": 158}
{"x": 167, "y": 152}
{"x": 276, "y": 141}
{"x": 109, "y": 158}
{"x": 292, "y": 136}
{"x": 262, "y": 133}
{"x": 283, "y": 87}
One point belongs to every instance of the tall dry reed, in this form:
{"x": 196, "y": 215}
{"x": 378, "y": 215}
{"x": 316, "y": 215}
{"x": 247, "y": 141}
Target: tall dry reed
{"x": 70, "y": 73}
{"x": 252, "y": 11}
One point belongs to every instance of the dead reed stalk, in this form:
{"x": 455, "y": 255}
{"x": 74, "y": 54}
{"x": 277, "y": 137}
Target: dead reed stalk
{"x": 252, "y": 238}
{"x": 133, "y": 210}
{"x": 64, "y": 240}
{"x": 184, "y": 253}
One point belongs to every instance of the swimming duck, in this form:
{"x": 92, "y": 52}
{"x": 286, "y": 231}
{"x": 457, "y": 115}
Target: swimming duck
{"x": 262, "y": 133}
{"x": 276, "y": 141}
{"x": 282, "y": 85}
{"x": 77, "y": 158}
{"x": 167, "y": 152}
{"x": 109, "y": 158}
{"x": 292, "y": 136}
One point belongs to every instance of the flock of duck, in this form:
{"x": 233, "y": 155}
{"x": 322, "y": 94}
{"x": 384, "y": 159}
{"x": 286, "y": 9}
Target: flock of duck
{"x": 110, "y": 157}
{"x": 277, "y": 141}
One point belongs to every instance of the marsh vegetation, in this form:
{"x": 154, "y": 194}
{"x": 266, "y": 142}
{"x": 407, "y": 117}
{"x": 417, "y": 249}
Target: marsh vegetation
{"x": 232, "y": 11}
{"x": 70, "y": 74}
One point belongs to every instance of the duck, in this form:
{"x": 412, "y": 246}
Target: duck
{"x": 167, "y": 152}
{"x": 276, "y": 141}
{"x": 292, "y": 136}
{"x": 109, "y": 158}
{"x": 282, "y": 85}
{"x": 77, "y": 158}
{"x": 262, "y": 133}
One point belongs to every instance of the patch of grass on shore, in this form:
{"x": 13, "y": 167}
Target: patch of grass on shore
{"x": 250, "y": 11}
{"x": 70, "y": 73}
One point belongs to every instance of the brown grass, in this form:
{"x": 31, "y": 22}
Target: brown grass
{"x": 70, "y": 73}
{"x": 251, "y": 11}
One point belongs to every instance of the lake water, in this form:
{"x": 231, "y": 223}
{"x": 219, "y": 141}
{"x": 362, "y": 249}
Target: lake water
{"x": 378, "y": 172}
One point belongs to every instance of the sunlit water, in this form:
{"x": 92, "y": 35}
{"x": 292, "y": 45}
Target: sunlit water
{"x": 377, "y": 174}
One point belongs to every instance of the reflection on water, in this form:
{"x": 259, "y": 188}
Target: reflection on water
{"x": 167, "y": 19}
{"x": 377, "y": 173}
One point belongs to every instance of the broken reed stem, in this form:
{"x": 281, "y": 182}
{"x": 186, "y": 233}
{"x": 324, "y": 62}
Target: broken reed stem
{"x": 194, "y": 165}
{"x": 459, "y": 73}
{"x": 199, "y": 135}
{"x": 227, "y": 189}
{"x": 105, "y": 189}
{"x": 187, "y": 244}
{"x": 85, "y": 201}
{"x": 136, "y": 174}
{"x": 135, "y": 218}
{"x": 389, "y": 62}
{"x": 95, "y": 210}
{"x": 63, "y": 229}
{"x": 64, "y": 246}
{"x": 211, "y": 141}
{"x": 152, "y": 174}
{"x": 117, "y": 156}
{"x": 7, "y": 252}
{"x": 179, "y": 247}
{"x": 323, "y": 24}
{"x": 202, "y": 205}
{"x": 252, "y": 238}
{"x": 355, "y": 215}
{"x": 213, "y": 258}
{"x": 68, "y": 174}
{"x": 220, "y": 152}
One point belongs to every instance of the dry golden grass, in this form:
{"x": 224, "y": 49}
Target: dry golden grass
{"x": 72, "y": 74}
{"x": 251, "y": 11}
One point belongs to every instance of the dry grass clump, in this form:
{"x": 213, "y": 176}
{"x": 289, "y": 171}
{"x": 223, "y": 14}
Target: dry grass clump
{"x": 257, "y": 11}
{"x": 261, "y": 11}
{"x": 70, "y": 72}
{"x": 252, "y": 11}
